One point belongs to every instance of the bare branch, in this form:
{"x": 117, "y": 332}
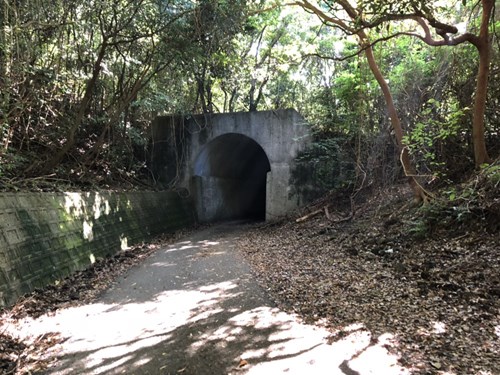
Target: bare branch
{"x": 446, "y": 41}
{"x": 323, "y": 16}
{"x": 365, "y": 46}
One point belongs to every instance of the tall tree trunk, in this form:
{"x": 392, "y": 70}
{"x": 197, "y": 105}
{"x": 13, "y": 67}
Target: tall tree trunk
{"x": 252, "y": 106}
{"x": 232, "y": 99}
{"x": 483, "y": 46}
{"x": 419, "y": 192}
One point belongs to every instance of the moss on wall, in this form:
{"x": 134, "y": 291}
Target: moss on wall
{"x": 47, "y": 236}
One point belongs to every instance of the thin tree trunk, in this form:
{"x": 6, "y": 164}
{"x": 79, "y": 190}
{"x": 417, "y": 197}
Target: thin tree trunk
{"x": 232, "y": 99}
{"x": 114, "y": 119}
{"x": 419, "y": 192}
{"x": 78, "y": 119}
{"x": 251, "y": 96}
{"x": 5, "y": 72}
{"x": 484, "y": 48}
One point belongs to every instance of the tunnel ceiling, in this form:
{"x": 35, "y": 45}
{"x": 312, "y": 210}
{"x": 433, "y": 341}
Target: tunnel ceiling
{"x": 232, "y": 156}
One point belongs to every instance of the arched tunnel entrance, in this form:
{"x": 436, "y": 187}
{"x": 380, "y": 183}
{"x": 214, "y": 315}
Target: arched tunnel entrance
{"x": 230, "y": 175}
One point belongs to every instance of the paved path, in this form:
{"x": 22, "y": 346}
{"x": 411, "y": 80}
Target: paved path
{"x": 194, "y": 308}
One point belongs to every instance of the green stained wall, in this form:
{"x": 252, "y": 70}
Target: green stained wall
{"x": 47, "y": 236}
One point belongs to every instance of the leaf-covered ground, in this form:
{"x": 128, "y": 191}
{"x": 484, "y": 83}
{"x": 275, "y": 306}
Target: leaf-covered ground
{"x": 430, "y": 280}
{"x": 437, "y": 292}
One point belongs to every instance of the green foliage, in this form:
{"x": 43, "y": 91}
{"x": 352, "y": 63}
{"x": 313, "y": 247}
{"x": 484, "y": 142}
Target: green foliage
{"x": 492, "y": 173}
{"x": 380, "y": 8}
{"x": 83, "y": 80}
{"x": 459, "y": 207}
{"x": 438, "y": 215}
{"x": 260, "y": 71}
{"x": 438, "y": 127}
{"x": 11, "y": 162}
{"x": 111, "y": 67}
{"x": 324, "y": 167}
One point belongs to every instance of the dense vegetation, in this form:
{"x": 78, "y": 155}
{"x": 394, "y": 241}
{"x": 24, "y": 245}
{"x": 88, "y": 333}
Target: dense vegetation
{"x": 398, "y": 90}
{"x": 81, "y": 81}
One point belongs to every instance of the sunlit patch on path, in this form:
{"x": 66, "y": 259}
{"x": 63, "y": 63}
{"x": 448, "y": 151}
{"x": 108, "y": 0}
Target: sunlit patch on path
{"x": 194, "y": 308}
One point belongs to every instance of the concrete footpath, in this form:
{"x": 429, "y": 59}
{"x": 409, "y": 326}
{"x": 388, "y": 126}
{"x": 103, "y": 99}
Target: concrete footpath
{"x": 194, "y": 308}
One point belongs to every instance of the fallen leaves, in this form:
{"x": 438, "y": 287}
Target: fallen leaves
{"x": 436, "y": 365}
{"x": 438, "y": 295}
{"x": 18, "y": 357}
{"x": 242, "y": 363}
{"x": 10, "y": 351}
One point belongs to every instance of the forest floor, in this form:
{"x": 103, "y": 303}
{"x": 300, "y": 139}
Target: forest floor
{"x": 427, "y": 279}
{"x": 432, "y": 282}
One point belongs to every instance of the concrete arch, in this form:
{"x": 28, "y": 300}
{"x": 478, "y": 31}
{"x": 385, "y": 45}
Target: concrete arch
{"x": 230, "y": 179}
{"x": 231, "y": 155}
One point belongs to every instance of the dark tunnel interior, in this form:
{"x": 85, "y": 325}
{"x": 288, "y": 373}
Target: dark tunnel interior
{"x": 237, "y": 167}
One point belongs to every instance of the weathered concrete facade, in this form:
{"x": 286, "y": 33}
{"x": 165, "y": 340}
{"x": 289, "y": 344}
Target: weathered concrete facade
{"x": 47, "y": 236}
{"x": 235, "y": 165}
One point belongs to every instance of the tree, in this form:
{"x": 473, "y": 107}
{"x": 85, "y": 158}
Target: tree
{"x": 350, "y": 27}
{"x": 373, "y": 15}
{"x": 125, "y": 49}
{"x": 79, "y": 69}
{"x": 251, "y": 64}
{"x": 446, "y": 34}
{"x": 79, "y": 81}
{"x": 209, "y": 32}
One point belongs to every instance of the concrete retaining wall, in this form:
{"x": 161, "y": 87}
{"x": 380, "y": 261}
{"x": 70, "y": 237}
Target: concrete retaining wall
{"x": 47, "y": 236}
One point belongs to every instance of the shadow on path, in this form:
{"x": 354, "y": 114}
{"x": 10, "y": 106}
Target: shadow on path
{"x": 194, "y": 308}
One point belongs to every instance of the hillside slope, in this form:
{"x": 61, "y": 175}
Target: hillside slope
{"x": 426, "y": 276}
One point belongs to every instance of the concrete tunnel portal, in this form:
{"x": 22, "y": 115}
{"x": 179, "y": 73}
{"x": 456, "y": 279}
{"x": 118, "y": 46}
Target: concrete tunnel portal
{"x": 230, "y": 175}
{"x": 232, "y": 165}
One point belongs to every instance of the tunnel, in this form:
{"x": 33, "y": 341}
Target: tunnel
{"x": 230, "y": 175}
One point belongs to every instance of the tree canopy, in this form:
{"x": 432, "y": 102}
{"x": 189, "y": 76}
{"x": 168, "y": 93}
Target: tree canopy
{"x": 380, "y": 81}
